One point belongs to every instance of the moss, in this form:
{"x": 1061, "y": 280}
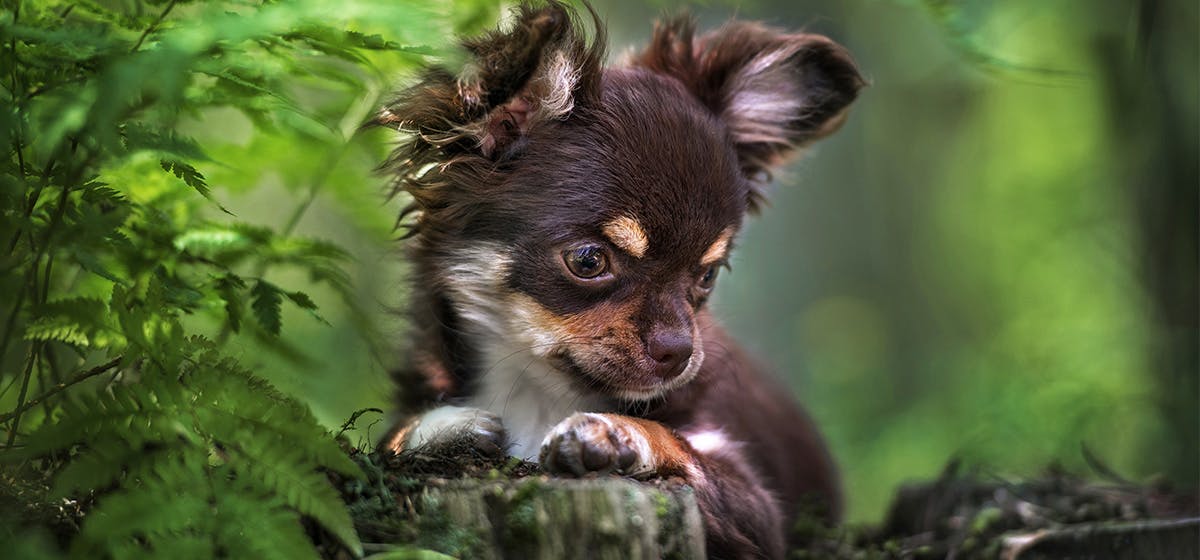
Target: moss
{"x": 436, "y": 531}
{"x": 518, "y": 516}
{"x": 668, "y": 500}
{"x": 662, "y": 506}
{"x": 985, "y": 519}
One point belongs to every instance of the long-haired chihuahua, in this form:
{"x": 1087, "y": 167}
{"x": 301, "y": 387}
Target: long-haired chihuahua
{"x": 568, "y": 221}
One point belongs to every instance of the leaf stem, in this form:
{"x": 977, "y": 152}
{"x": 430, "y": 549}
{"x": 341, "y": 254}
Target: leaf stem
{"x": 45, "y": 294}
{"x": 74, "y": 380}
{"x": 41, "y": 250}
{"x": 314, "y": 188}
{"x": 16, "y": 414}
{"x": 11, "y": 322}
{"x": 161, "y": 16}
{"x": 29, "y": 207}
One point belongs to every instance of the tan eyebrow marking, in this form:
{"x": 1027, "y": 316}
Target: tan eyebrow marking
{"x": 627, "y": 233}
{"x": 717, "y": 250}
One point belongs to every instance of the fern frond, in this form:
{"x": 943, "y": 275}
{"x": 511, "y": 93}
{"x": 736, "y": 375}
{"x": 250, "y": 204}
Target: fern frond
{"x": 306, "y": 303}
{"x": 107, "y": 461}
{"x": 228, "y": 287}
{"x": 137, "y": 414}
{"x": 75, "y": 321}
{"x": 192, "y": 178}
{"x": 212, "y": 424}
{"x": 165, "y": 501}
{"x": 168, "y": 144}
{"x": 213, "y": 241}
{"x": 50, "y": 330}
{"x": 224, "y": 243}
{"x": 272, "y": 469}
{"x": 270, "y": 532}
{"x": 239, "y": 408}
{"x": 175, "y": 546}
{"x": 267, "y": 303}
{"x": 188, "y": 454}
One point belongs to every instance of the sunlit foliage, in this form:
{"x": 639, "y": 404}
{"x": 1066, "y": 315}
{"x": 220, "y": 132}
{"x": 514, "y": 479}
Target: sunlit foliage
{"x": 125, "y": 276}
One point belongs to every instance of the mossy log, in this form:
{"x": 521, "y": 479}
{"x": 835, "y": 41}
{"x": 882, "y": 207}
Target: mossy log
{"x": 542, "y": 518}
{"x": 477, "y": 507}
{"x": 1160, "y": 539}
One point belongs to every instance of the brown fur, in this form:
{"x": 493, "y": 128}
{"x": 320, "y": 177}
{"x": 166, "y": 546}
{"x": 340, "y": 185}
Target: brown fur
{"x": 533, "y": 151}
{"x": 672, "y": 454}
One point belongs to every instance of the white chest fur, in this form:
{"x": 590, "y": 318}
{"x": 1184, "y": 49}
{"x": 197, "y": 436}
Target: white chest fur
{"x": 530, "y": 396}
{"x": 516, "y": 382}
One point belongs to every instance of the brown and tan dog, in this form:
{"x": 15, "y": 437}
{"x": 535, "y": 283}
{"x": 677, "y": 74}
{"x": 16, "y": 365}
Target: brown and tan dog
{"x": 568, "y": 224}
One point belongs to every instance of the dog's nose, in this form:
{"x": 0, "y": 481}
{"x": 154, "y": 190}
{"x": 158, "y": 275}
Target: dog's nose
{"x": 669, "y": 351}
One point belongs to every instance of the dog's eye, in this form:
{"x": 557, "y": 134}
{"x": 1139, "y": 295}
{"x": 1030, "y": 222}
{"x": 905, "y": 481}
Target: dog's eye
{"x": 709, "y": 277}
{"x": 586, "y": 262}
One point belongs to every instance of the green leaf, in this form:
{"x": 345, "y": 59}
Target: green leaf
{"x": 192, "y": 178}
{"x": 168, "y": 144}
{"x": 275, "y": 472}
{"x": 267, "y": 301}
{"x": 259, "y": 525}
{"x": 76, "y": 321}
{"x": 183, "y": 452}
{"x": 229, "y": 287}
{"x": 306, "y": 303}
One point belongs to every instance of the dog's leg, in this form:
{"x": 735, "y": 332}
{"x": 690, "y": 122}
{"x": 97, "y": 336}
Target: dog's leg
{"x": 448, "y": 428}
{"x": 741, "y": 518}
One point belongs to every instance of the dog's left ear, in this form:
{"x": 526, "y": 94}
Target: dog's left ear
{"x": 775, "y": 91}
{"x": 533, "y": 71}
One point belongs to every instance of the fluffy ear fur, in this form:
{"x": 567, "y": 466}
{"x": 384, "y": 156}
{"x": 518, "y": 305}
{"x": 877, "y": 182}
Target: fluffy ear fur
{"x": 775, "y": 91}
{"x": 537, "y": 69}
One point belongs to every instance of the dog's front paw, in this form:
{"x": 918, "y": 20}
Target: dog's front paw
{"x": 450, "y": 428}
{"x": 596, "y": 443}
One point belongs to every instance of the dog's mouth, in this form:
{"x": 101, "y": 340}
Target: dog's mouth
{"x": 602, "y": 350}
{"x": 580, "y": 375}
{"x": 612, "y": 379}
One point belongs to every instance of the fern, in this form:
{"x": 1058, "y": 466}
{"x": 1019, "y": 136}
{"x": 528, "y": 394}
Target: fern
{"x": 268, "y": 301}
{"x": 112, "y": 251}
{"x": 214, "y": 426}
{"x": 189, "y": 175}
{"x": 79, "y": 322}
{"x": 228, "y": 518}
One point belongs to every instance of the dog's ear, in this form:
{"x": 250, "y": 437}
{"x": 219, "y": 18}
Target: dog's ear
{"x": 775, "y": 91}
{"x": 515, "y": 79}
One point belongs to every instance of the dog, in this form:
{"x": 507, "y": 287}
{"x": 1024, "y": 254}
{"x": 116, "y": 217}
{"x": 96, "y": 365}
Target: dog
{"x": 567, "y": 224}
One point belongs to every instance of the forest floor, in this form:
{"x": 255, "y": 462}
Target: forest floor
{"x": 961, "y": 515}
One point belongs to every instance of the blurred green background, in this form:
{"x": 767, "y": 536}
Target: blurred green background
{"x": 994, "y": 260}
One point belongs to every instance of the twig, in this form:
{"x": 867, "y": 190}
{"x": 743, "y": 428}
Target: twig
{"x": 19, "y": 141}
{"x": 11, "y": 322}
{"x": 349, "y": 424}
{"x": 293, "y": 220}
{"x": 46, "y": 275}
{"x": 16, "y": 420}
{"x": 78, "y": 378}
{"x": 31, "y": 205}
{"x": 162, "y": 15}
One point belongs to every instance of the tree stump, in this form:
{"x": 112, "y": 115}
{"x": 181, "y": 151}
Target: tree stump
{"x": 542, "y": 518}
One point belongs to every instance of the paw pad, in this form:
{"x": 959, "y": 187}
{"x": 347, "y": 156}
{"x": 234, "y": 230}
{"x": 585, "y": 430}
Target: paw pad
{"x": 591, "y": 443}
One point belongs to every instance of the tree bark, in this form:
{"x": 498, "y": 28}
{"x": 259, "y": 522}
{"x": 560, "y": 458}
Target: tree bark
{"x": 541, "y": 518}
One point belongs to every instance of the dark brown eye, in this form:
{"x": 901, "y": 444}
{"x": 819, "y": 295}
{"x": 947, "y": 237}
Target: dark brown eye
{"x": 586, "y": 262}
{"x": 709, "y": 277}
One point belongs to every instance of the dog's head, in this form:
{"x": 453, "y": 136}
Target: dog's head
{"x": 582, "y": 213}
